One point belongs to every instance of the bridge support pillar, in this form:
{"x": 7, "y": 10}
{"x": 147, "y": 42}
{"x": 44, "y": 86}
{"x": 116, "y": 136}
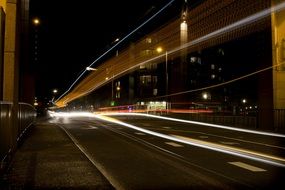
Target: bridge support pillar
{"x": 278, "y": 60}
{"x": 11, "y": 66}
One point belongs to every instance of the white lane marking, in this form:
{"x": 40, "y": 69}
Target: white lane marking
{"x": 228, "y": 143}
{"x": 247, "y": 166}
{"x": 203, "y": 137}
{"x": 166, "y": 127}
{"x": 138, "y": 133}
{"x": 174, "y": 144}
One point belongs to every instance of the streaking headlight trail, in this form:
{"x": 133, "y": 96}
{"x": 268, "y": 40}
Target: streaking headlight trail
{"x": 200, "y": 123}
{"x": 272, "y": 160}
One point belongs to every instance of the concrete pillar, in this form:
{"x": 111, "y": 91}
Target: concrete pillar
{"x": 2, "y": 38}
{"x": 10, "y": 80}
{"x": 278, "y": 56}
{"x": 11, "y": 66}
{"x": 3, "y": 4}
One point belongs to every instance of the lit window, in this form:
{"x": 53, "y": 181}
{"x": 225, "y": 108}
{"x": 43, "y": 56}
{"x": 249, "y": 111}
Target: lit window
{"x": 145, "y": 79}
{"x": 193, "y": 59}
{"x": 155, "y": 91}
{"x": 118, "y": 94}
{"x": 148, "y": 40}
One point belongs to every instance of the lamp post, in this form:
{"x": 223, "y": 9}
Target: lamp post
{"x": 54, "y": 92}
{"x": 159, "y": 50}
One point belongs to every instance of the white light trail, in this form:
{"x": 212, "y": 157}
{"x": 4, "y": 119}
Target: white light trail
{"x": 200, "y": 123}
{"x": 224, "y": 149}
{"x": 243, "y": 22}
{"x": 115, "y": 45}
{"x": 211, "y": 146}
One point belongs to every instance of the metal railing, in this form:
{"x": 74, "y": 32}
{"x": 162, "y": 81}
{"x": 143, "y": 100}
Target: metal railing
{"x": 14, "y": 121}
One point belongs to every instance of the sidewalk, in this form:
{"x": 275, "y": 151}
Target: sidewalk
{"x": 48, "y": 159}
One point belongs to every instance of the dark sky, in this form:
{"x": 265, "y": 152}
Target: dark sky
{"x": 72, "y": 34}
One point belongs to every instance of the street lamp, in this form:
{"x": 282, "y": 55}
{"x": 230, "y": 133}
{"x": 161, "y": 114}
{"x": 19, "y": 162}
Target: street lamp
{"x": 54, "y": 91}
{"x": 159, "y": 50}
{"x": 206, "y": 96}
{"x": 36, "y": 21}
{"x": 91, "y": 69}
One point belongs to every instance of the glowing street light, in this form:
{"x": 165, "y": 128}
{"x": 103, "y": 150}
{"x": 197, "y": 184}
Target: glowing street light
{"x": 91, "y": 69}
{"x": 116, "y": 40}
{"x": 54, "y": 91}
{"x": 36, "y": 21}
{"x": 159, "y": 49}
{"x": 206, "y": 96}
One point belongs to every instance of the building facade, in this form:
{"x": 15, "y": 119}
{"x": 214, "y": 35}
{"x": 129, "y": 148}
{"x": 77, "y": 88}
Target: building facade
{"x": 223, "y": 56}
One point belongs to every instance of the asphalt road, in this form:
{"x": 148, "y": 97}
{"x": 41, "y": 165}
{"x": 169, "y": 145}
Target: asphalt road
{"x": 203, "y": 157}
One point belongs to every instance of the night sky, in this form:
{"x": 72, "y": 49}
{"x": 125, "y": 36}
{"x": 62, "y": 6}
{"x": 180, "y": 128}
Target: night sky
{"x": 72, "y": 34}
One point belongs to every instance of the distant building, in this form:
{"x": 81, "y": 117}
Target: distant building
{"x": 212, "y": 56}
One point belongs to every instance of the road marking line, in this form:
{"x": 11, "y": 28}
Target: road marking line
{"x": 166, "y": 127}
{"x": 174, "y": 144}
{"x": 93, "y": 127}
{"x": 203, "y": 137}
{"x": 228, "y": 143}
{"x": 140, "y": 133}
{"x": 247, "y": 166}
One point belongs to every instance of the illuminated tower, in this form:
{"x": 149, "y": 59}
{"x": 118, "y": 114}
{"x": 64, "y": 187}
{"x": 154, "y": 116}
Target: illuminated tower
{"x": 184, "y": 26}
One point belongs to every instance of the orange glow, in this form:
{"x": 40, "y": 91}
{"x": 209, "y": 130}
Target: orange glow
{"x": 36, "y": 21}
{"x": 169, "y": 37}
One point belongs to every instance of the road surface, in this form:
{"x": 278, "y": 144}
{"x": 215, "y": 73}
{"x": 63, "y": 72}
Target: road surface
{"x": 138, "y": 152}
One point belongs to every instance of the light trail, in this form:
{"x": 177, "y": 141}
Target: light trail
{"x": 199, "y": 123}
{"x": 241, "y": 23}
{"x": 268, "y": 159}
{"x": 115, "y": 45}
